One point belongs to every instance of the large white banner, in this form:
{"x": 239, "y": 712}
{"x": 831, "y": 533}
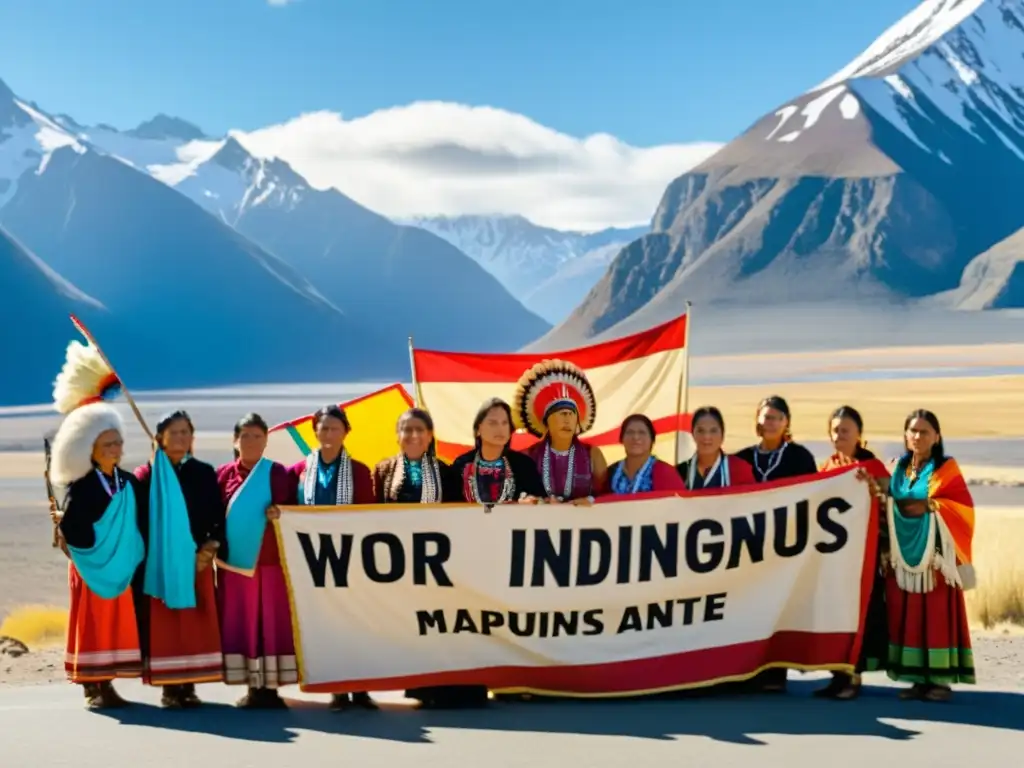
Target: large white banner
{"x": 631, "y": 595}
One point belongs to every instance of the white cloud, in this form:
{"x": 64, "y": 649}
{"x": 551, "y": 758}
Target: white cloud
{"x": 281, "y": 3}
{"x": 441, "y": 158}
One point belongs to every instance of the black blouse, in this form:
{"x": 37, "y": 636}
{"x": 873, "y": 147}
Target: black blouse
{"x": 525, "y": 477}
{"x": 206, "y": 508}
{"x": 791, "y": 460}
{"x": 87, "y": 500}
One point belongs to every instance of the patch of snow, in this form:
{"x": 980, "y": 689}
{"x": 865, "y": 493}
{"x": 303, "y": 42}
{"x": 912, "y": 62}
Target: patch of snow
{"x": 920, "y": 28}
{"x": 967, "y": 75}
{"x": 811, "y": 112}
{"x": 30, "y": 146}
{"x": 899, "y": 86}
{"x": 964, "y": 60}
{"x": 849, "y": 107}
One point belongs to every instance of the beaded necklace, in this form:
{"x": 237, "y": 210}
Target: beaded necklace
{"x": 508, "y": 486}
{"x": 773, "y": 462}
{"x": 570, "y": 472}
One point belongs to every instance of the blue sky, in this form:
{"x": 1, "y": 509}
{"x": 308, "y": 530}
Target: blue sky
{"x": 647, "y": 71}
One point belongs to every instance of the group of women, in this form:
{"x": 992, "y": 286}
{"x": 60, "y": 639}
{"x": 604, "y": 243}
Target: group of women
{"x": 236, "y": 628}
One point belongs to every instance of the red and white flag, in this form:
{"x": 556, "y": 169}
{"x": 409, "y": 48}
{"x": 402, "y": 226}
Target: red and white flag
{"x": 643, "y": 373}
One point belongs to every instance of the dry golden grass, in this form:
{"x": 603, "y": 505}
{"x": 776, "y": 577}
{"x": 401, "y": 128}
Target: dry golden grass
{"x": 989, "y": 406}
{"x": 998, "y": 543}
{"x": 36, "y": 625}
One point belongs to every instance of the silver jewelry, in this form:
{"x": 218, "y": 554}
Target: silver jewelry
{"x": 773, "y": 462}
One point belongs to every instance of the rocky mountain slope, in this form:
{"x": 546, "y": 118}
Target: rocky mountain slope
{"x": 201, "y": 304}
{"x": 397, "y": 279}
{"x": 880, "y": 184}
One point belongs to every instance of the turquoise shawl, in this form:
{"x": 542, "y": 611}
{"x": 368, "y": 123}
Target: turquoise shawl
{"x": 108, "y": 566}
{"x": 171, "y": 560}
{"x": 911, "y": 532}
{"x": 247, "y": 518}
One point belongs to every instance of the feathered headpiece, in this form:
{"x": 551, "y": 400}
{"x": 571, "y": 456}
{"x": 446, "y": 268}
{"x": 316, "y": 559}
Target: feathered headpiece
{"x": 85, "y": 378}
{"x": 85, "y": 381}
{"x": 549, "y": 386}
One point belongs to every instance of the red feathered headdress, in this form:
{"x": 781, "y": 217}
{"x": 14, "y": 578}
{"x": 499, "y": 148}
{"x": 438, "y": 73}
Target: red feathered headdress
{"x": 549, "y": 386}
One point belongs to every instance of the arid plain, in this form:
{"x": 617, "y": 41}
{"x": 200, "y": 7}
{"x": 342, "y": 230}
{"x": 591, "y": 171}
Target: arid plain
{"x": 977, "y": 391}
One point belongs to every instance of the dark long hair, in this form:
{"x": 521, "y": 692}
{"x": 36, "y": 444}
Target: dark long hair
{"x": 428, "y": 421}
{"x": 640, "y": 418}
{"x": 711, "y": 412}
{"x": 170, "y": 418}
{"x": 847, "y": 412}
{"x": 332, "y": 411}
{"x": 481, "y": 414}
{"x": 939, "y": 449}
{"x": 249, "y": 420}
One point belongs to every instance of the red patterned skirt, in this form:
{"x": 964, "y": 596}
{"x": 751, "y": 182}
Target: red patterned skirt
{"x": 103, "y": 638}
{"x": 184, "y": 645}
{"x": 929, "y": 641}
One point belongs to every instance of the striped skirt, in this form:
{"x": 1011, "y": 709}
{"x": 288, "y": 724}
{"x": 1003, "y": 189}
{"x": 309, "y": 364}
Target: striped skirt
{"x": 256, "y": 622}
{"x": 103, "y": 638}
{"x": 929, "y": 641}
{"x": 184, "y": 645}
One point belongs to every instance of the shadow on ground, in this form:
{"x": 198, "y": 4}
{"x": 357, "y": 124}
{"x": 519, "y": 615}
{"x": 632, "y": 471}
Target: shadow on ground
{"x": 735, "y": 719}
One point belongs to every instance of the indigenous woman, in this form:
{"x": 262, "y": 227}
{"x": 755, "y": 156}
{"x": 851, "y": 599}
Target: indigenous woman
{"x": 180, "y": 629}
{"x": 256, "y": 624}
{"x": 641, "y": 471}
{"x": 931, "y": 527}
{"x": 330, "y": 477}
{"x": 846, "y": 429}
{"x": 417, "y": 476}
{"x": 492, "y": 473}
{"x": 99, "y": 532}
{"x": 710, "y": 467}
{"x": 555, "y": 402}
{"x": 776, "y": 457}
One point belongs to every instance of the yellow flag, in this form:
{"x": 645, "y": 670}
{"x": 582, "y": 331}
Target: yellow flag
{"x": 373, "y": 418}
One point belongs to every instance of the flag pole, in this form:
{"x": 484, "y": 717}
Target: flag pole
{"x": 124, "y": 390}
{"x": 683, "y": 393}
{"x": 415, "y": 383}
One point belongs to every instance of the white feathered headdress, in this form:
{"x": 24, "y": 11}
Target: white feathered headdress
{"x": 74, "y": 441}
{"x": 85, "y": 378}
{"x": 85, "y": 381}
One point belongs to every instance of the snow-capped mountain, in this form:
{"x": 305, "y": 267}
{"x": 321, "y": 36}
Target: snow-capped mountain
{"x": 548, "y": 270}
{"x": 28, "y": 138}
{"x": 354, "y": 256}
{"x": 881, "y": 183}
{"x": 163, "y": 268}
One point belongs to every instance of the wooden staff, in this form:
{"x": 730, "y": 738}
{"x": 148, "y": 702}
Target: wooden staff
{"x": 49, "y": 491}
{"x": 124, "y": 390}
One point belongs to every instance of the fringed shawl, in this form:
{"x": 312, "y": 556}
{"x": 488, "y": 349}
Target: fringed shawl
{"x": 343, "y": 482}
{"x": 392, "y": 473}
{"x": 940, "y": 540}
